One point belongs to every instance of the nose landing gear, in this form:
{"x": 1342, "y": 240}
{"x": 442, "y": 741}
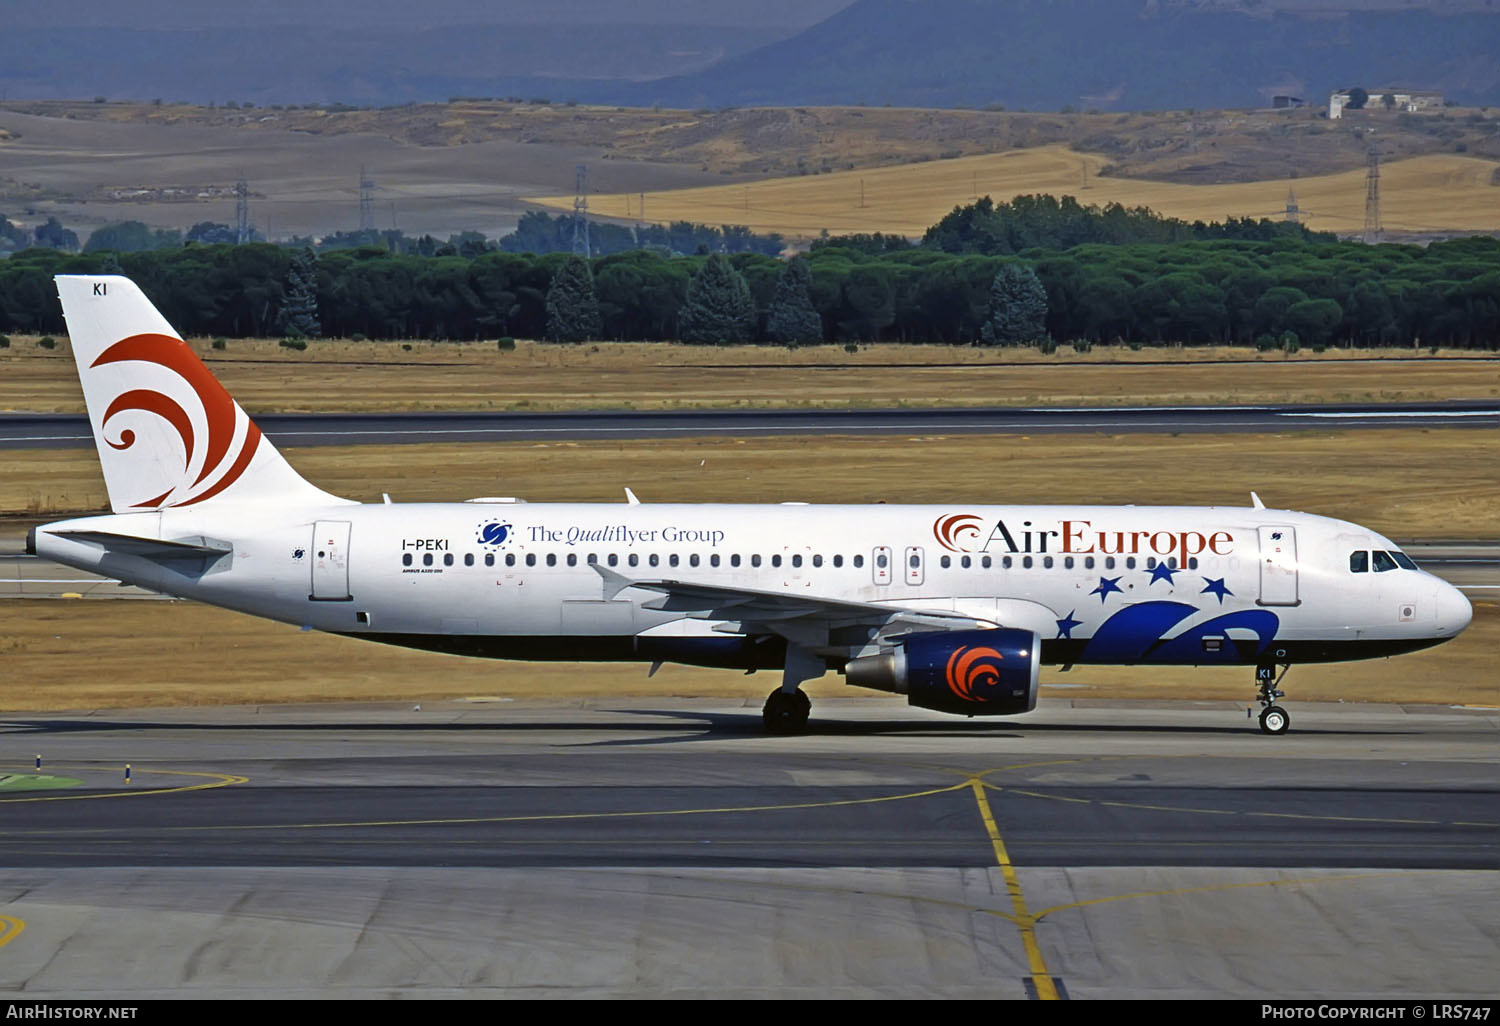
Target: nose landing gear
{"x": 1273, "y": 718}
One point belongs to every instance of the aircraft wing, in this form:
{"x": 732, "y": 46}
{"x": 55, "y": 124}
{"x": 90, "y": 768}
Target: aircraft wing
{"x": 776, "y": 612}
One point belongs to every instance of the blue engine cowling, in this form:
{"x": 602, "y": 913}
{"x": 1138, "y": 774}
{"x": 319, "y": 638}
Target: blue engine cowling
{"x": 972, "y": 673}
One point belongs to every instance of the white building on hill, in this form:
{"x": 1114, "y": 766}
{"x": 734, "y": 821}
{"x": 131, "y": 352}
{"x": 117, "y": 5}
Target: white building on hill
{"x": 1402, "y": 100}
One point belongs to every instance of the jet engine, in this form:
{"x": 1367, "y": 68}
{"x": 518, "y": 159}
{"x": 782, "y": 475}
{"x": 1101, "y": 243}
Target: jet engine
{"x": 972, "y": 673}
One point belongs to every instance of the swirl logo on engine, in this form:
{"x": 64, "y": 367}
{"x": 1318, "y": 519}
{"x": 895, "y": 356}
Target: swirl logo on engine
{"x": 970, "y": 668}
{"x": 954, "y": 531}
{"x": 217, "y": 412}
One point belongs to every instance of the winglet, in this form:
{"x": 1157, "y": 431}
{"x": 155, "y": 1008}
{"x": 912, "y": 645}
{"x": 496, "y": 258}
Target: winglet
{"x": 1255, "y": 500}
{"x": 630, "y": 498}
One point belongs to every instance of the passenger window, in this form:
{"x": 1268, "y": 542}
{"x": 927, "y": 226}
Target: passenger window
{"x": 776, "y": 560}
{"x": 653, "y": 559}
{"x": 1150, "y": 562}
{"x": 634, "y": 560}
{"x": 406, "y": 559}
{"x": 966, "y": 562}
{"x": 838, "y": 561}
{"x": 755, "y": 559}
{"x": 468, "y": 559}
{"x": 614, "y": 560}
{"x": 593, "y": 559}
{"x": 1130, "y": 563}
{"x": 572, "y": 559}
{"x": 859, "y": 561}
{"x": 1007, "y": 562}
{"x": 880, "y": 561}
{"x": 426, "y": 559}
{"x": 1088, "y": 562}
{"x": 672, "y": 559}
{"x": 1383, "y": 561}
{"x": 712, "y": 560}
{"x": 693, "y": 559}
{"x": 734, "y": 560}
{"x": 447, "y": 559}
{"x": 510, "y": 559}
{"x": 489, "y": 559}
{"x": 1109, "y": 562}
{"x": 1026, "y": 562}
{"x": 817, "y": 560}
{"x": 945, "y": 562}
{"x": 1047, "y": 562}
{"x": 1067, "y": 562}
{"x": 796, "y": 561}
{"x": 985, "y": 562}
{"x": 1192, "y": 562}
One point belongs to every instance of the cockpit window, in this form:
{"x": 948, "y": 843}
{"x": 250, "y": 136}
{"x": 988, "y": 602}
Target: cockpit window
{"x": 1403, "y": 560}
{"x": 1359, "y": 562}
{"x": 1383, "y": 561}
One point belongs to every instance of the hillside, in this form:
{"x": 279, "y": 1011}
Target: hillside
{"x": 1050, "y": 54}
{"x": 1433, "y": 195}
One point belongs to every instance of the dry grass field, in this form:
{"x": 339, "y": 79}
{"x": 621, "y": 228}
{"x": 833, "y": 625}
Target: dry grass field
{"x": 109, "y": 655}
{"x": 1405, "y": 483}
{"x": 1434, "y": 193}
{"x": 335, "y": 376}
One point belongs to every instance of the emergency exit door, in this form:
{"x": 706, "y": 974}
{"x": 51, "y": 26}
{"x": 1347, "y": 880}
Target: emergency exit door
{"x": 330, "y": 561}
{"x": 1278, "y": 566}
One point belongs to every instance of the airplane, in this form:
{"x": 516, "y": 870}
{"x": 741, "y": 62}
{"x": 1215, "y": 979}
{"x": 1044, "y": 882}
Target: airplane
{"x": 954, "y": 606}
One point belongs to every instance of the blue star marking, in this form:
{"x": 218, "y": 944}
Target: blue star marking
{"x": 1066, "y": 624}
{"x": 1162, "y": 572}
{"x": 1216, "y": 588}
{"x": 1107, "y": 585}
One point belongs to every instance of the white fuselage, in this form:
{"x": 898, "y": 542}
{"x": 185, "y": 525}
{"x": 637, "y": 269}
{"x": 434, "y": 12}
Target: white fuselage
{"x": 1118, "y": 584}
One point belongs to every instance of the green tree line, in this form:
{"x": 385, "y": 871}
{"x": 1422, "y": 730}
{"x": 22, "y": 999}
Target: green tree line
{"x": 1213, "y": 289}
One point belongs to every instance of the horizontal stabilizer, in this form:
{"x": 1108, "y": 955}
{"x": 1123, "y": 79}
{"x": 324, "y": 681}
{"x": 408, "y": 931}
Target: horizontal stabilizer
{"x": 186, "y": 555}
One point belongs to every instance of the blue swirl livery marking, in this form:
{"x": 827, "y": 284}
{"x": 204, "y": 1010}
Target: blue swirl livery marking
{"x": 1127, "y": 635}
{"x": 1187, "y": 647}
{"x": 494, "y": 533}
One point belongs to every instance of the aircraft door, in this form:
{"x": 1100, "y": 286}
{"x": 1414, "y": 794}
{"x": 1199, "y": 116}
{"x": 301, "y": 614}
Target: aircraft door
{"x": 915, "y": 572}
{"x": 330, "y": 561}
{"x": 1278, "y": 565}
{"x": 880, "y": 564}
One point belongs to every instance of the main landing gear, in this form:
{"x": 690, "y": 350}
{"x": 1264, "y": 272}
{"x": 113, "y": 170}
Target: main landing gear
{"x": 1273, "y": 718}
{"x": 786, "y": 712}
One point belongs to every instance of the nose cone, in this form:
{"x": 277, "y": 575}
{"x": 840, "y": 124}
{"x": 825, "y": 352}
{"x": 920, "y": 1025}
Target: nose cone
{"x": 1451, "y": 610}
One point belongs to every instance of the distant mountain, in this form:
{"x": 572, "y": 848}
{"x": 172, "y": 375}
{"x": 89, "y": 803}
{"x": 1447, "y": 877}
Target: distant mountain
{"x": 1115, "y": 55}
{"x": 1022, "y": 54}
{"x": 371, "y": 51}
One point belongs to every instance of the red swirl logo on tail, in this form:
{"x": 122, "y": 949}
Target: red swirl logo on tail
{"x": 220, "y": 414}
{"x": 970, "y": 668}
{"x": 954, "y": 531}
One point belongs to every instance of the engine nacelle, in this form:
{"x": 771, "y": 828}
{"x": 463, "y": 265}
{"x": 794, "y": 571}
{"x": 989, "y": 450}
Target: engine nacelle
{"x": 972, "y": 673}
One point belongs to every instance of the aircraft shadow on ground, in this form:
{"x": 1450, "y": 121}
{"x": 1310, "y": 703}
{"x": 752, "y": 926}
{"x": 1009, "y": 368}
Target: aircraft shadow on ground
{"x": 680, "y": 726}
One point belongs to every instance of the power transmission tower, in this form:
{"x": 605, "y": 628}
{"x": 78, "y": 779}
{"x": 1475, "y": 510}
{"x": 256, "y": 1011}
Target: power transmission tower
{"x": 366, "y": 202}
{"x": 581, "y": 213}
{"x": 1293, "y": 212}
{"x": 1372, "y": 198}
{"x": 241, "y": 212}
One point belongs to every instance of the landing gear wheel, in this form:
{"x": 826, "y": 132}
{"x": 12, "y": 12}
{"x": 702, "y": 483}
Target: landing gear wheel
{"x": 1274, "y": 720}
{"x": 786, "y": 712}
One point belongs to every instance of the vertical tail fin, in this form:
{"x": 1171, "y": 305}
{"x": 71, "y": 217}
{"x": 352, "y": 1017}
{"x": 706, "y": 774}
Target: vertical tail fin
{"x": 168, "y": 433}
